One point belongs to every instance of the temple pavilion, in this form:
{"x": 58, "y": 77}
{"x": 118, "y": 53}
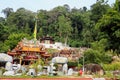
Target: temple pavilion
{"x": 27, "y": 51}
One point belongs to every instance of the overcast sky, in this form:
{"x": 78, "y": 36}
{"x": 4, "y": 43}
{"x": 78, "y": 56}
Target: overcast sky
{"x": 35, "y": 5}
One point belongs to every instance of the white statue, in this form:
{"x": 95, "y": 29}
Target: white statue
{"x": 70, "y": 71}
{"x": 48, "y": 70}
{"x": 65, "y": 68}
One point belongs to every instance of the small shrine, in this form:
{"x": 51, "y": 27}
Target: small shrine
{"x": 47, "y": 40}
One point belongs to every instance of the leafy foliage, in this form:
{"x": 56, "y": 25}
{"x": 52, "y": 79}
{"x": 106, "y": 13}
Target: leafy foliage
{"x": 72, "y": 64}
{"x": 99, "y": 9}
{"x": 112, "y": 66}
{"x": 97, "y": 53}
{"x": 12, "y": 41}
{"x": 110, "y": 26}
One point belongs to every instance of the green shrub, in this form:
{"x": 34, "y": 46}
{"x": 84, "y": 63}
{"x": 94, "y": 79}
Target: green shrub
{"x": 73, "y": 64}
{"x": 95, "y": 56}
{"x": 112, "y": 66}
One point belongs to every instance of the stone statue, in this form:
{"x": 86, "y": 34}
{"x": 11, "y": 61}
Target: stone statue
{"x": 65, "y": 68}
{"x": 70, "y": 71}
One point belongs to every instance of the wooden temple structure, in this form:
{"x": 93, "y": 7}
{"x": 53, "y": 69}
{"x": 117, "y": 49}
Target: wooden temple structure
{"x": 27, "y": 51}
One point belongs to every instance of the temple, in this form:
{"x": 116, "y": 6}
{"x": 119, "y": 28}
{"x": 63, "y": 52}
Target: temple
{"x": 27, "y": 51}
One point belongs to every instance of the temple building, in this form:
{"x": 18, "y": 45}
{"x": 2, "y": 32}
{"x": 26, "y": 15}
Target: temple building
{"x": 27, "y": 51}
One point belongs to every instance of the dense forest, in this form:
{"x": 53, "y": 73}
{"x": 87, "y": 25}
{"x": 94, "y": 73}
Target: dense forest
{"x": 97, "y": 28}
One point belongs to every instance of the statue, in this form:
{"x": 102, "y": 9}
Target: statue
{"x": 65, "y": 68}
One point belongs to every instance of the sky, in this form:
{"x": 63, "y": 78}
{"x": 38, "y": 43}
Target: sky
{"x": 35, "y": 5}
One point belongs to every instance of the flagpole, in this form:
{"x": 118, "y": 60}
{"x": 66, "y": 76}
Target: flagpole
{"x": 35, "y": 30}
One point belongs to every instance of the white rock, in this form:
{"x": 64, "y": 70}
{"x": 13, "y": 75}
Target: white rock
{"x": 9, "y": 73}
{"x": 32, "y": 72}
{"x": 8, "y": 66}
{"x": 5, "y": 57}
